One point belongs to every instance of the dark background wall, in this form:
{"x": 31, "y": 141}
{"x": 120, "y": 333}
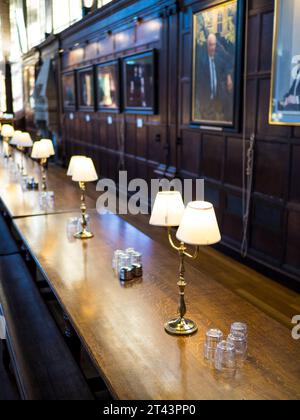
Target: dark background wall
{"x": 168, "y": 144}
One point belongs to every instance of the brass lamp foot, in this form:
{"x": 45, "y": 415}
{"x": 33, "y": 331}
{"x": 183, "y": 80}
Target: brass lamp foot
{"x": 83, "y": 235}
{"x": 181, "y": 326}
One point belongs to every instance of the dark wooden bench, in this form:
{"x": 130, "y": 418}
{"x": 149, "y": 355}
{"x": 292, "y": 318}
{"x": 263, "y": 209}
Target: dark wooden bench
{"x": 42, "y": 363}
{"x": 7, "y": 244}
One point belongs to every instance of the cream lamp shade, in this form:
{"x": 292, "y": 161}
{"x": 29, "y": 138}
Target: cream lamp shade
{"x": 199, "y": 225}
{"x": 72, "y": 164}
{"x": 168, "y": 209}
{"x": 48, "y": 143}
{"x": 25, "y": 140}
{"x": 16, "y": 138}
{"x": 40, "y": 151}
{"x": 84, "y": 171}
{"x": 7, "y": 130}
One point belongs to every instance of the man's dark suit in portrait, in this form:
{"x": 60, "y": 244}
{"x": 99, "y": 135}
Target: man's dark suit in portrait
{"x": 291, "y": 100}
{"x": 214, "y": 84}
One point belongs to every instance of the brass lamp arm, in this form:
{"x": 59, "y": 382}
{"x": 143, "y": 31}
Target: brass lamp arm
{"x": 195, "y": 255}
{"x": 177, "y": 248}
{"x": 182, "y": 248}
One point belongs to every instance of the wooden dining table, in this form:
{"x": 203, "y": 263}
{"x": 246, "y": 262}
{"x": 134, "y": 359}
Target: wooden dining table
{"x": 121, "y": 325}
{"x": 24, "y": 203}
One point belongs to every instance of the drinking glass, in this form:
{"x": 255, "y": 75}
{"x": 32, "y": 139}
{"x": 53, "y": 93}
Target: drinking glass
{"x": 72, "y": 228}
{"x": 239, "y": 341}
{"x": 136, "y": 258}
{"x": 50, "y": 200}
{"x": 43, "y": 200}
{"x": 239, "y": 327}
{"x": 225, "y": 359}
{"x": 213, "y": 338}
{"x": 116, "y": 259}
{"x": 125, "y": 262}
{"x": 24, "y": 181}
{"x": 130, "y": 252}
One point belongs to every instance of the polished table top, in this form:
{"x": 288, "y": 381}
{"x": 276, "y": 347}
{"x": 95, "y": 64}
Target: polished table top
{"x": 122, "y": 327}
{"x": 19, "y": 203}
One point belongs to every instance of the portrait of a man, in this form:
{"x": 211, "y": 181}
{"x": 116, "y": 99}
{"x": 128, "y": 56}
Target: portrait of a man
{"x": 291, "y": 100}
{"x": 108, "y": 86}
{"x": 68, "y": 83}
{"x": 215, "y": 32}
{"x": 139, "y": 75}
{"x": 285, "y": 87}
{"x": 86, "y": 88}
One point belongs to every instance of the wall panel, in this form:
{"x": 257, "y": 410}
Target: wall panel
{"x": 168, "y": 143}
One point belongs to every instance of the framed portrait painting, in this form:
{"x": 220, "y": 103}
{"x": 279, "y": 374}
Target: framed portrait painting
{"x": 108, "y": 86}
{"x": 29, "y": 87}
{"x": 86, "y": 91}
{"x": 217, "y": 64}
{"x": 69, "y": 91}
{"x": 285, "y": 85}
{"x": 140, "y": 83}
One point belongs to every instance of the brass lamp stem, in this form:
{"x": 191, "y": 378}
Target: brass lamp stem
{"x": 8, "y": 150}
{"x": 44, "y": 175}
{"x": 181, "y": 326}
{"x": 84, "y": 234}
{"x": 22, "y": 169}
{"x": 182, "y": 284}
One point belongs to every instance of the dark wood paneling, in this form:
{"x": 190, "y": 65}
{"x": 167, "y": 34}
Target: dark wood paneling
{"x": 293, "y": 239}
{"x": 271, "y": 169}
{"x": 295, "y": 177}
{"x": 213, "y": 156}
{"x": 265, "y": 56}
{"x": 234, "y": 162}
{"x": 168, "y": 139}
{"x": 190, "y": 162}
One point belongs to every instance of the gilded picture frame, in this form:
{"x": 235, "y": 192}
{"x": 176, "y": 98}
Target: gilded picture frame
{"x": 285, "y": 79}
{"x": 218, "y": 40}
{"x": 86, "y": 89}
{"x": 69, "y": 91}
{"x": 140, "y": 83}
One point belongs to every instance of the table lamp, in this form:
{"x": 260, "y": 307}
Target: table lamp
{"x": 23, "y": 142}
{"x": 16, "y": 138}
{"x": 49, "y": 145}
{"x": 197, "y": 226}
{"x": 41, "y": 151}
{"x": 83, "y": 170}
{"x": 72, "y": 164}
{"x": 7, "y": 132}
{"x": 15, "y": 141}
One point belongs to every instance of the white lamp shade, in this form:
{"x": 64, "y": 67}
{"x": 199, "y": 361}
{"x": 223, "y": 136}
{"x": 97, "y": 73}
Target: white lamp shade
{"x": 72, "y": 164}
{"x": 40, "y": 151}
{"x": 168, "y": 209}
{"x": 199, "y": 225}
{"x": 16, "y": 138}
{"x": 7, "y": 130}
{"x": 48, "y": 143}
{"x": 84, "y": 171}
{"x": 25, "y": 140}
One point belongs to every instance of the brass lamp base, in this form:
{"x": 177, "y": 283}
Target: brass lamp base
{"x": 83, "y": 235}
{"x": 181, "y": 326}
